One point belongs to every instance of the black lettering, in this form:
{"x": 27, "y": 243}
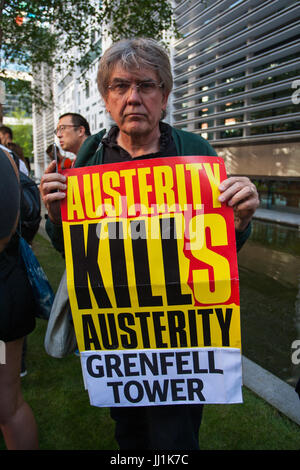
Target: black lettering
{"x": 195, "y": 386}
{"x": 112, "y": 363}
{"x": 141, "y": 266}
{"x": 85, "y": 265}
{"x": 115, "y": 386}
{"x": 157, "y": 391}
{"x": 206, "y": 325}
{"x": 118, "y": 263}
{"x": 128, "y": 341}
{"x": 193, "y": 328}
{"x": 128, "y": 365}
{"x": 89, "y": 333}
{"x": 180, "y": 363}
{"x": 176, "y": 388}
{"x": 164, "y": 363}
{"x": 108, "y": 331}
{"x": 143, "y": 316}
{"x": 224, "y": 324}
{"x": 177, "y": 331}
{"x": 196, "y": 363}
{"x": 158, "y": 328}
{"x": 139, "y": 390}
{"x": 211, "y": 364}
{"x": 171, "y": 267}
{"x": 145, "y": 361}
{"x": 91, "y": 368}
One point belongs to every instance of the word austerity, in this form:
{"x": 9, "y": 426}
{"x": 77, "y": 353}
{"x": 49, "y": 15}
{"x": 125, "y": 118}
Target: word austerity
{"x": 146, "y": 188}
{"x": 156, "y": 329}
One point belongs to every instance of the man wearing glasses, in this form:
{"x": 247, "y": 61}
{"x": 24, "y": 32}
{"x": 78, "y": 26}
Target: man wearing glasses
{"x": 135, "y": 80}
{"x": 72, "y": 130}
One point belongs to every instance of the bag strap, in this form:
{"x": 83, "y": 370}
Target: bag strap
{"x": 13, "y": 159}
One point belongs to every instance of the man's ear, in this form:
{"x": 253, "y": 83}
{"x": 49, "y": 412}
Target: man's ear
{"x": 81, "y": 130}
{"x": 165, "y": 101}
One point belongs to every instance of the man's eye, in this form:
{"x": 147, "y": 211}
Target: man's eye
{"x": 122, "y": 86}
{"x": 147, "y": 86}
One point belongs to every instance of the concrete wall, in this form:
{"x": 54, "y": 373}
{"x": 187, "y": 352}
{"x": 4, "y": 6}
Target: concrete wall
{"x": 280, "y": 159}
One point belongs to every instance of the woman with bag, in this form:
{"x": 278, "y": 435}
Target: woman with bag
{"x": 17, "y": 316}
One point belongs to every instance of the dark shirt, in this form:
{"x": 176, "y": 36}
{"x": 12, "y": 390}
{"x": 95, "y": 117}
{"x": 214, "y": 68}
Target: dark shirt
{"x": 113, "y": 153}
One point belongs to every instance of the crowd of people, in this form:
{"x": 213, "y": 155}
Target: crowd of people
{"x": 135, "y": 81}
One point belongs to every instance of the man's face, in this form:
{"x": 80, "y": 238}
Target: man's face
{"x": 68, "y": 134}
{"x": 135, "y": 113}
{"x": 4, "y": 138}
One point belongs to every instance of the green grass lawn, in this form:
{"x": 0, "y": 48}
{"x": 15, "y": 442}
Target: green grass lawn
{"x": 54, "y": 389}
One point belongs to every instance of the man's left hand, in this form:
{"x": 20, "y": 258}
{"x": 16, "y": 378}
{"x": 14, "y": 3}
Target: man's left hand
{"x": 240, "y": 194}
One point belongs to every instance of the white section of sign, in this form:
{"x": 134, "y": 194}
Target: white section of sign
{"x": 163, "y": 376}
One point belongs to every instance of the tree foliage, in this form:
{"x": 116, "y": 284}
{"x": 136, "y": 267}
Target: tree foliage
{"x": 23, "y": 133}
{"x": 56, "y": 32}
{"x": 131, "y": 18}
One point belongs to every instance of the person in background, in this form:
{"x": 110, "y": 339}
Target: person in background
{"x": 23, "y": 165}
{"x": 135, "y": 80}
{"x": 63, "y": 162}
{"x": 72, "y": 130}
{"x": 6, "y": 139}
{"x": 17, "y": 319}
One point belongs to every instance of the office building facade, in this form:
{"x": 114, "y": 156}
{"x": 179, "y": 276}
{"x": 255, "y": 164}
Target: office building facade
{"x": 237, "y": 83}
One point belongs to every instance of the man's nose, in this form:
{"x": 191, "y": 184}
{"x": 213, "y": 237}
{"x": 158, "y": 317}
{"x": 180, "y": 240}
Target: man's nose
{"x": 133, "y": 94}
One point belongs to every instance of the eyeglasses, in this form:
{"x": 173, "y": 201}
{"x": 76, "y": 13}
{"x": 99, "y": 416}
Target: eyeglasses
{"x": 63, "y": 127}
{"x": 146, "y": 87}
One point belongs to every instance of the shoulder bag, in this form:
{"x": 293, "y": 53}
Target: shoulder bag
{"x": 60, "y": 339}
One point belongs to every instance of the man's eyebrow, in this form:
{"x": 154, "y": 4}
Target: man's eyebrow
{"x": 146, "y": 79}
{"x": 117, "y": 79}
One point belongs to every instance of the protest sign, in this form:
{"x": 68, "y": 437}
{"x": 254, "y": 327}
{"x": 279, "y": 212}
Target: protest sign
{"x": 153, "y": 282}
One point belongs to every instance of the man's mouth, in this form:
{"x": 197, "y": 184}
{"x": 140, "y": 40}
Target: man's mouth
{"x": 134, "y": 115}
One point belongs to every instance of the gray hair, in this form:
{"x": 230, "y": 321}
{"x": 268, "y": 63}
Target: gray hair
{"x": 133, "y": 54}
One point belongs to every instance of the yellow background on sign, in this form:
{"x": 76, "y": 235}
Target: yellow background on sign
{"x": 184, "y": 332}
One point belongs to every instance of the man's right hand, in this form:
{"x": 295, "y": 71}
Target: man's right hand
{"x": 51, "y": 187}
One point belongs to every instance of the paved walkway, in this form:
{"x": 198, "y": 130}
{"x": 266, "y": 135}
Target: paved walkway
{"x": 266, "y": 385}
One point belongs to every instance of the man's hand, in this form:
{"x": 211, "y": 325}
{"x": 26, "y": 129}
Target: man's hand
{"x": 242, "y": 196}
{"x": 51, "y": 185}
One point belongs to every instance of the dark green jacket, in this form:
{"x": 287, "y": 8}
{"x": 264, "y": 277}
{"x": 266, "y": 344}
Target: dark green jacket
{"x": 91, "y": 153}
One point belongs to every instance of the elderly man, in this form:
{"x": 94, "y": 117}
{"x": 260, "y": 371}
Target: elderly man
{"x": 134, "y": 79}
